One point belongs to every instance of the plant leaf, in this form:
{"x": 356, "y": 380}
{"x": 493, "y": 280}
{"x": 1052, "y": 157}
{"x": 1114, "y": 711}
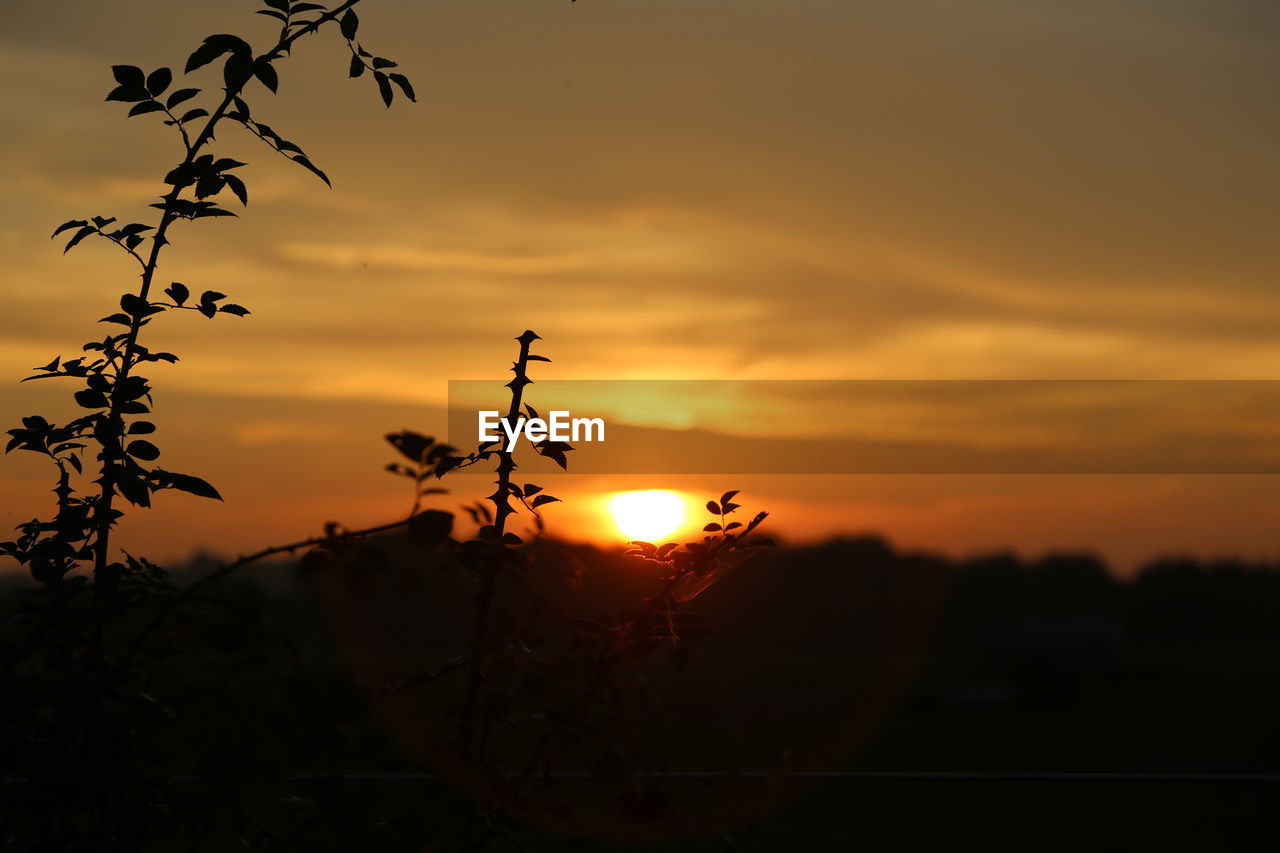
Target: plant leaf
{"x": 264, "y": 72}
{"x": 403, "y": 82}
{"x": 145, "y": 107}
{"x": 308, "y": 165}
{"x": 158, "y": 81}
{"x": 79, "y": 235}
{"x": 349, "y": 24}
{"x": 130, "y": 76}
{"x": 179, "y": 96}
{"x": 384, "y": 87}
{"x": 178, "y": 292}
{"x": 185, "y": 483}
{"x": 143, "y": 449}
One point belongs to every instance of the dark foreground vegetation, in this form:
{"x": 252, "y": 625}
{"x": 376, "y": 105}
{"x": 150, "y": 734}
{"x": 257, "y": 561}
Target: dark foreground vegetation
{"x": 311, "y": 711}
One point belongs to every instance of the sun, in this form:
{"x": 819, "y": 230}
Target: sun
{"x": 647, "y": 515}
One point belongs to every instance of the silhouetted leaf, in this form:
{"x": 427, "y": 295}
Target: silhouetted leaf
{"x": 447, "y": 464}
{"x": 177, "y": 292}
{"x": 237, "y": 186}
{"x": 209, "y": 185}
{"x": 237, "y": 70}
{"x": 68, "y": 225}
{"x": 144, "y": 108}
{"x": 543, "y": 499}
{"x": 383, "y": 62}
{"x": 192, "y": 115}
{"x": 403, "y": 82}
{"x": 180, "y": 176}
{"x": 90, "y": 399}
{"x": 185, "y": 483}
{"x": 413, "y": 446}
{"x": 384, "y": 87}
{"x": 554, "y": 450}
{"x": 539, "y": 358}
{"x": 307, "y": 164}
{"x": 713, "y": 507}
{"x": 143, "y": 449}
{"x": 215, "y": 46}
{"x": 141, "y": 428}
{"x": 357, "y": 67}
{"x": 129, "y": 75}
{"x": 133, "y": 487}
{"x": 712, "y": 527}
{"x": 530, "y": 489}
{"x": 349, "y": 24}
{"x": 265, "y": 73}
{"x": 728, "y": 496}
{"x": 127, "y": 94}
{"x": 158, "y": 81}
{"x": 79, "y": 235}
{"x": 272, "y": 13}
{"x": 180, "y": 96}
{"x": 232, "y": 308}
{"x": 133, "y": 305}
{"x": 122, "y": 319}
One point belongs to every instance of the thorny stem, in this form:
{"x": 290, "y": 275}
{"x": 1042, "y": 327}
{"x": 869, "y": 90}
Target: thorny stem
{"x": 489, "y": 572}
{"x": 113, "y": 449}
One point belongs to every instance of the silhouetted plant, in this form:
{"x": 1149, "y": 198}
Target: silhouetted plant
{"x": 74, "y": 631}
{"x": 531, "y": 664}
{"x": 115, "y": 394}
{"x": 91, "y": 646}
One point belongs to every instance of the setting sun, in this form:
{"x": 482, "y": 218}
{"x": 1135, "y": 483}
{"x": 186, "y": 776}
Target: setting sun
{"x": 647, "y": 515}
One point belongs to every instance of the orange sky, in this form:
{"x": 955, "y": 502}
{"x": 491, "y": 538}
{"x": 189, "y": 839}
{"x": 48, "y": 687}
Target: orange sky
{"x": 712, "y": 189}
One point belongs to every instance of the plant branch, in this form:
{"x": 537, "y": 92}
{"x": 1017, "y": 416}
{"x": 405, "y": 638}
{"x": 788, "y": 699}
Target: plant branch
{"x": 113, "y": 452}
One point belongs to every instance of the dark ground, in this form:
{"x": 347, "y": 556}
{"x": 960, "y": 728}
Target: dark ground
{"x": 848, "y": 657}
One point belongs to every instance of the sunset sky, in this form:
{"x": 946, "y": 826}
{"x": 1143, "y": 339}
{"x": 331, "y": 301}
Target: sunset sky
{"x": 674, "y": 189}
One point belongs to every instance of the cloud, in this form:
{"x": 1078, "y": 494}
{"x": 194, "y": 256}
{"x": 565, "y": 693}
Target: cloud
{"x": 396, "y": 257}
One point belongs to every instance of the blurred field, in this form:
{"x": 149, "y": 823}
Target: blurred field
{"x": 842, "y": 657}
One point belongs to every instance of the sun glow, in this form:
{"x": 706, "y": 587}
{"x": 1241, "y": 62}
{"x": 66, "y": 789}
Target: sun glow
{"x": 648, "y": 515}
